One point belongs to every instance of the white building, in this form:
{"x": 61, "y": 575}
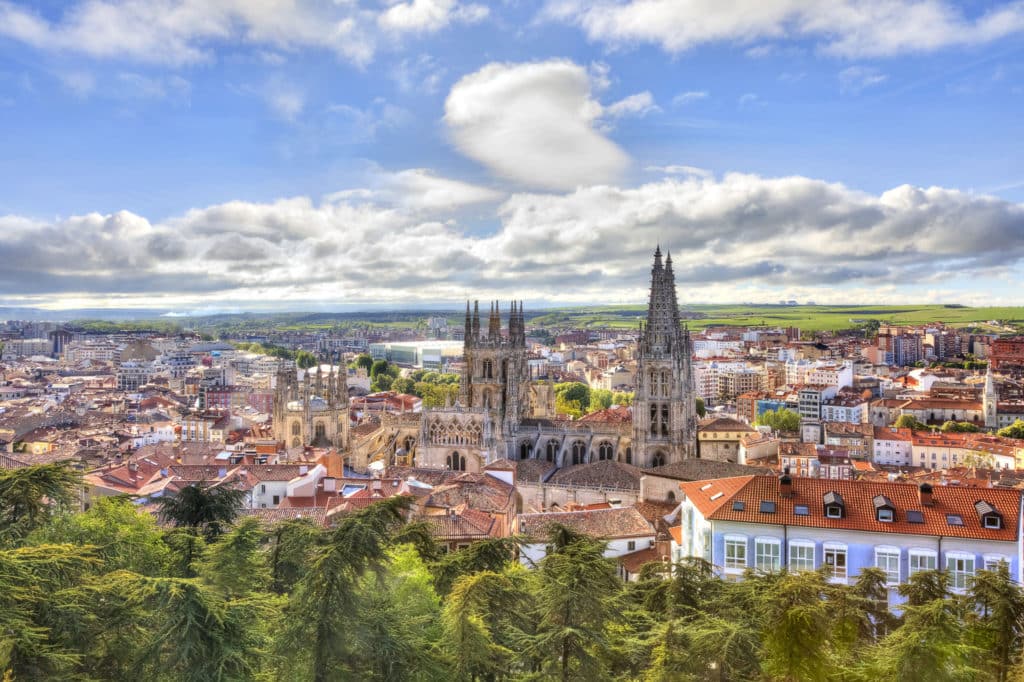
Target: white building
{"x": 624, "y": 529}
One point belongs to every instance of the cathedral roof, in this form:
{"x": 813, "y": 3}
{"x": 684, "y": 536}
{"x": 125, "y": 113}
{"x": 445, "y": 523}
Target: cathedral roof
{"x": 607, "y": 473}
{"x": 616, "y": 413}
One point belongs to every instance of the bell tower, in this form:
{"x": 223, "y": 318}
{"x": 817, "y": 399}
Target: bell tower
{"x": 496, "y": 376}
{"x": 664, "y": 407}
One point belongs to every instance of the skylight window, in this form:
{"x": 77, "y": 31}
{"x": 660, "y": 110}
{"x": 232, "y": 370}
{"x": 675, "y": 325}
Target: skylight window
{"x": 717, "y": 495}
{"x": 802, "y": 510}
{"x": 738, "y": 506}
{"x": 767, "y": 507}
{"x": 706, "y": 486}
{"x": 954, "y": 519}
{"x": 915, "y": 516}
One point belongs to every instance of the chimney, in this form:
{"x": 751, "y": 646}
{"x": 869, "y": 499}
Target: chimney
{"x": 925, "y": 494}
{"x": 330, "y": 484}
{"x": 785, "y": 485}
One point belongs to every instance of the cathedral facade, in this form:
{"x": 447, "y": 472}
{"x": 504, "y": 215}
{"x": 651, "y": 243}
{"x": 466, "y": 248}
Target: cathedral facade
{"x": 311, "y": 408}
{"x": 501, "y": 415}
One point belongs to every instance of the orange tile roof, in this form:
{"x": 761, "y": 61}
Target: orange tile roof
{"x": 700, "y": 493}
{"x": 860, "y": 511}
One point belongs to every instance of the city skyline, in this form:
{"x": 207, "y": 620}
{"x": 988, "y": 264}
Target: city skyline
{"x": 191, "y": 156}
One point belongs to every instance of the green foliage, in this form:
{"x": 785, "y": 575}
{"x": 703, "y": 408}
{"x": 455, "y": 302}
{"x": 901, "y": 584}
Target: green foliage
{"x": 702, "y": 409}
{"x": 364, "y": 360}
{"x": 909, "y": 421}
{"x": 29, "y": 496}
{"x": 779, "y": 420}
{"x": 382, "y": 375}
{"x": 304, "y": 359}
{"x": 959, "y": 427}
{"x": 1014, "y": 430}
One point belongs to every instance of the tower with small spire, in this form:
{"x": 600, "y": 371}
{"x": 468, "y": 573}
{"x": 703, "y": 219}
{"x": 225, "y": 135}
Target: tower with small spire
{"x": 990, "y": 400}
{"x": 664, "y": 407}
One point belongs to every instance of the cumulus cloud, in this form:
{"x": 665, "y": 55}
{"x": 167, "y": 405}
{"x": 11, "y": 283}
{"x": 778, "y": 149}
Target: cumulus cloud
{"x": 534, "y": 123}
{"x": 845, "y": 28}
{"x": 738, "y": 237}
{"x": 424, "y": 16}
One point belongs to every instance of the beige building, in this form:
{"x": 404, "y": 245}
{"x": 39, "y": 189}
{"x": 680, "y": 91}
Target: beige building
{"x": 719, "y": 438}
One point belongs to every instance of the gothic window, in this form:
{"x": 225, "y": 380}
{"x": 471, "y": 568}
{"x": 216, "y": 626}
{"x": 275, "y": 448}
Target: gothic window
{"x": 664, "y": 420}
{"x": 604, "y": 451}
{"x": 525, "y": 449}
{"x": 321, "y": 432}
{"x": 654, "y": 419}
{"x": 664, "y": 384}
{"x": 487, "y": 400}
{"x": 296, "y": 442}
{"x": 488, "y": 369}
{"x": 456, "y": 462}
{"x": 658, "y": 460}
{"x": 629, "y": 454}
{"x": 409, "y": 444}
{"x": 296, "y": 428}
{"x": 579, "y": 452}
{"x": 552, "y": 450}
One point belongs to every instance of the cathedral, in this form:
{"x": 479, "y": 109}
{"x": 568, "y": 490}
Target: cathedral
{"x": 502, "y": 414}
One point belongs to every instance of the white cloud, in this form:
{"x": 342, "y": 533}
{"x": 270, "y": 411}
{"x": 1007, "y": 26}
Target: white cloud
{"x": 747, "y": 100}
{"x": 684, "y": 98}
{"x": 680, "y": 170}
{"x": 639, "y": 105}
{"x": 846, "y": 28}
{"x": 534, "y": 124}
{"x": 364, "y": 124}
{"x": 138, "y": 86}
{"x": 855, "y": 79}
{"x": 735, "y": 238}
{"x": 186, "y": 31}
{"x": 422, "y": 74}
{"x": 428, "y": 16}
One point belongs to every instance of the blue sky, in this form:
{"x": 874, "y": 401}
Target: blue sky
{"x": 288, "y": 154}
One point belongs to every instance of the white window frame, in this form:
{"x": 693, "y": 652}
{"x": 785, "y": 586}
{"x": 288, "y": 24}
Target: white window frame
{"x": 800, "y": 563}
{"x": 991, "y": 561}
{"x": 733, "y": 564}
{"x": 915, "y": 556}
{"x": 992, "y": 517}
{"x": 888, "y": 552}
{"x": 774, "y": 557}
{"x": 960, "y": 579}
{"x": 889, "y": 513}
{"x": 835, "y": 548}
{"x": 833, "y": 507}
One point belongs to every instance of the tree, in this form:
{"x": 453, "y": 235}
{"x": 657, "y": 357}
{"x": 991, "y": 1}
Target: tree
{"x": 577, "y": 596}
{"x": 318, "y": 639}
{"x": 909, "y": 421}
{"x": 378, "y": 367}
{"x": 600, "y": 399}
{"x": 236, "y": 565}
{"x": 471, "y": 618}
{"x": 574, "y": 391}
{"x": 123, "y": 536}
{"x": 998, "y": 619}
{"x": 403, "y": 385}
{"x": 701, "y": 408}
{"x": 293, "y": 543}
{"x": 797, "y": 635}
{"x": 623, "y": 398}
{"x": 779, "y": 420}
{"x": 1014, "y": 430}
{"x": 30, "y": 495}
{"x": 959, "y": 427}
{"x": 203, "y": 509}
{"x": 304, "y": 359}
{"x": 365, "y": 361}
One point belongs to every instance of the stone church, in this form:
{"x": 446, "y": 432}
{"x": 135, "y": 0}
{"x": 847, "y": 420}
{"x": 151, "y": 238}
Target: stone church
{"x": 501, "y": 414}
{"x": 311, "y": 408}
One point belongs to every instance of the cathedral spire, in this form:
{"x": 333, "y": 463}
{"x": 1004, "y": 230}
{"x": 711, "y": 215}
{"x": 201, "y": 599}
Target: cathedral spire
{"x": 476, "y": 321}
{"x": 494, "y": 326}
{"x": 469, "y": 325}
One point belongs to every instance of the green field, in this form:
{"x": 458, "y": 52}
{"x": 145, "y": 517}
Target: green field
{"x": 807, "y": 318}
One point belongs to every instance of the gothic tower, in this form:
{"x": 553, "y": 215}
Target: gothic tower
{"x": 664, "y": 407}
{"x": 990, "y": 400}
{"x": 313, "y": 411}
{"x": 496, "y": 376}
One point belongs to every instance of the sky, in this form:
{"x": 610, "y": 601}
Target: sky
{"x": 227, "y": 155}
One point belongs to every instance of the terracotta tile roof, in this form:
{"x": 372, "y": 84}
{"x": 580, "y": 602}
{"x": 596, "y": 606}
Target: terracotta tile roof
{"x": 677, "y": 534}
{"x": 860, "y": 510}
{"x": 708, "y": 496}
{"x": 533, "y": 470}
{"x": 892, "y": 433}
{"x": 616, "y": 414}
{"x": 7, "y": 462}
{"x": 943, "y": 404}
{"x": 272, "y": 516}
{"x": 635, "y": 561}
{"x": 275, "y": 472}
{"x": 461, "y": 524}
{"x": 600, "y": 523}
{"x": 476, "y": 491}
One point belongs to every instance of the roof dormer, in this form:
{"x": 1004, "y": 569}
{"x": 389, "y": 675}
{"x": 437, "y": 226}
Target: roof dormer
{"x": 989, "y": 517}
{"x": 885, "y": 510}
{"x": 834, "y": 506}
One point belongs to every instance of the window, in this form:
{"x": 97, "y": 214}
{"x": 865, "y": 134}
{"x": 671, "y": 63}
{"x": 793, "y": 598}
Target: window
{"x": 767, "y": 507}
{"x": 801, "y": 555}
{"x": 885, "y": 515}
{"x": 738, "y": 506}
{"x": 767, "y": 554}
{"x": 993, "y": 561}
{"x": 834, "y": 512}
{"x": 631, "y": 545}
{"x": 888, "y": 559}
{"x": 961, "y": 570}
{"x": 954, "y": 519}
{"x": 835, "y": 562}
{"x": 735, "y": 553}
{"x": 263, "y": 487}
{"x": 277, "y": 499}
{"x": 915, "y": 516}
{"x": 992, "y": 521}
{"x": 922, "y": 560}
{"x": 801, "y": 510}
